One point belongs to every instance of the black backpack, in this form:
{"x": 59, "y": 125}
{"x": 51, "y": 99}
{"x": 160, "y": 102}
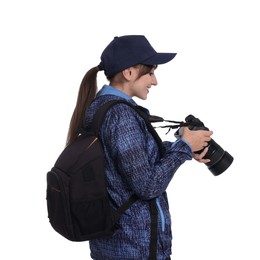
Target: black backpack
{"x": 77, "y": 200}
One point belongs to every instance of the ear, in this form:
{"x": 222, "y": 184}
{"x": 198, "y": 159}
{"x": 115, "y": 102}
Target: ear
{"x": 127, "y": 73}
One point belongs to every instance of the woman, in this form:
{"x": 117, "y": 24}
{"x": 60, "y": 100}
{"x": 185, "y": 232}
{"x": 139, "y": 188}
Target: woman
{"x": 134, "y": 164}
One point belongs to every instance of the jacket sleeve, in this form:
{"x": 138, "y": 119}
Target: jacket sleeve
{"x": 135, "y": 153}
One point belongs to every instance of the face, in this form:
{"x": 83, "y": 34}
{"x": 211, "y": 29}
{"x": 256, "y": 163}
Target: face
{"x": 140, "y": 86}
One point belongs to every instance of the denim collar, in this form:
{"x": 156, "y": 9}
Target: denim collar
{"x": 109, "y": 90}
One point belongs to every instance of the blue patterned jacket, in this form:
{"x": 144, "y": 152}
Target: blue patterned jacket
{"x": 133, "y": 165}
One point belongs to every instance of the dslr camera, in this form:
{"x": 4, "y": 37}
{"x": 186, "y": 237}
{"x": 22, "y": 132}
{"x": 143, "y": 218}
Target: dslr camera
{"x": 220, "y": 159}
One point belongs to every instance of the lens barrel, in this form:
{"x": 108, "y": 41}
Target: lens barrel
{"x": 220, "y": 160}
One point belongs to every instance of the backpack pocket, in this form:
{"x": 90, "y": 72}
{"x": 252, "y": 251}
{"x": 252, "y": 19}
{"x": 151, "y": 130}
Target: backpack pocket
{"x": 93, "y": 217}
{"x": 58, "y": 203}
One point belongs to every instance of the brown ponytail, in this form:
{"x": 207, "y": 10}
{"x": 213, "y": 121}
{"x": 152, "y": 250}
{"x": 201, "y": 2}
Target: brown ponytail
{"x": 87, "y": 92}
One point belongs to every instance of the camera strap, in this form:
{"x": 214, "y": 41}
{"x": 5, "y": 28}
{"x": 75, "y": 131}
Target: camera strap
{"x": 174, "y": 124}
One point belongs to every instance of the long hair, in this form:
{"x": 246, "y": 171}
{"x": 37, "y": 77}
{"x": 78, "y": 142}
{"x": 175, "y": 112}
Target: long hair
{"x": 87, "y": 92}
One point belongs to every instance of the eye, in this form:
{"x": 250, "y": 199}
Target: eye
{"x": 151, "y": 72}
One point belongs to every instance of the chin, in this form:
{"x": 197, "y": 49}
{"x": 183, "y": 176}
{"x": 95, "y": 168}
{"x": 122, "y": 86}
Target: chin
{"x": 143, "y": 97}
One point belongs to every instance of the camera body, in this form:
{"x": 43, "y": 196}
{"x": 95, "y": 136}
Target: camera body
{"x": 220, "y": 159}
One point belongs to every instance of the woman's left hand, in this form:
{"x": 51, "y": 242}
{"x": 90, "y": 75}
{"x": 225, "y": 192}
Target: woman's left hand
{"x": 199, "y": 157}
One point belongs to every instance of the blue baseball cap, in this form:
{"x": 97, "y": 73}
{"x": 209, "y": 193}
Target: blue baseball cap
{"x": 130, "y": 50}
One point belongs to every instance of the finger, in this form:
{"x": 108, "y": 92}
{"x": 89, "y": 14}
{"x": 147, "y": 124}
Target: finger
{"x": 210, "y": 133}
{"x": 207, "y": 138}
{"x": 196, "y": 156}
{"x": 199, "y": 157}
{"x": 203, "y": 153}
{"x": 204, "y": 160}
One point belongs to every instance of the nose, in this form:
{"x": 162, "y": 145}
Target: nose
{"x": 154, "y": 80}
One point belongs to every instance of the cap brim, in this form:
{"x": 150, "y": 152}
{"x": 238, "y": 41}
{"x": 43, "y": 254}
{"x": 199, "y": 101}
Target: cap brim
{"x": 159, "y": 58}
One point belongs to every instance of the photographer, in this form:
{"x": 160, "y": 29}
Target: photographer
{"x": 134, "y": 162}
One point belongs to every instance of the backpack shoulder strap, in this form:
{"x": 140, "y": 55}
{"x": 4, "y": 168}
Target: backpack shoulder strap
{"x": 96, "y": 125}
{"x": 100, "y": 114}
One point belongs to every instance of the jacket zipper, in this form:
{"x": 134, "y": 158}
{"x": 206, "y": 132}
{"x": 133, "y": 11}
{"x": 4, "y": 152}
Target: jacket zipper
{"x": 161, "y": 214}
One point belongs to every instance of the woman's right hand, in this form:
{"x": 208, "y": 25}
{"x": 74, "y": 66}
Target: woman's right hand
{"x": 198, "y": 139}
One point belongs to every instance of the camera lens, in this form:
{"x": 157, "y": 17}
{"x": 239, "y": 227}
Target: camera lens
{"x": 220, "y": 160}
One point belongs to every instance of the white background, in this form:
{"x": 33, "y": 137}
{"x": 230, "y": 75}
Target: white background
{"x": 46, "y": 48}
